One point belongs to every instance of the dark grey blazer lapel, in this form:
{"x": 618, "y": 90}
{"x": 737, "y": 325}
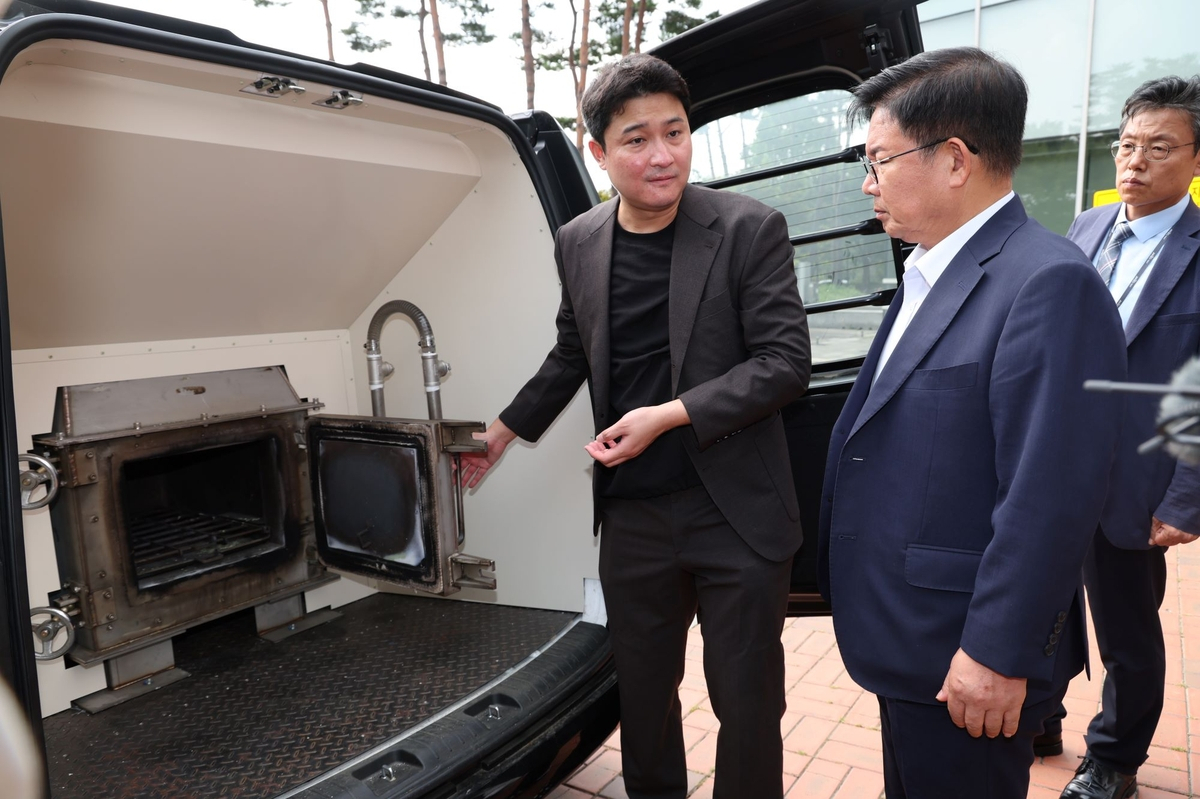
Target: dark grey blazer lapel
{"x": 940, "y": 307}
{"x": 692, "y": 254}
{"x": 593, "y": 256}
{"x": 1177, "y": 253}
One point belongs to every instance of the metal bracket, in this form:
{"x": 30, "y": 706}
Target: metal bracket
{"x": 456, "y": 436}
{"x": 877, "y": 42}
{"x": 81, "y": 466}
{"x": 477, "y": 577}
{"x": 341, "y": 98}
{"x": 104, "y": 606}
{"x": 273, "y": 86}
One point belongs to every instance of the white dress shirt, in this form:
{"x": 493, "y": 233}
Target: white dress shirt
{"x": 1147, "y": 233}
{"x": 922, "y": 269}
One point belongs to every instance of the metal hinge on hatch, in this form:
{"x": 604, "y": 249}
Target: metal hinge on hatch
{"x": 877, "y": 42}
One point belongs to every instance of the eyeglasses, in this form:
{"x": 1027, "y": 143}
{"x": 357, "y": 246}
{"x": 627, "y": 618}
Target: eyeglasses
{"x": 870, "y": 165}
{"x": 1154, "y": 152}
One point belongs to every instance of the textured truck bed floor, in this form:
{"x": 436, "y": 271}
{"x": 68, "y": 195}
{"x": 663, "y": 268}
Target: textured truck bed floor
{"x": 257, "y": 718}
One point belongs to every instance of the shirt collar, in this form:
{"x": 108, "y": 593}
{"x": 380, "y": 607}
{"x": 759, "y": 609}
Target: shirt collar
{"x": 935, "y": 260}
{"x": 1150, "y": 226}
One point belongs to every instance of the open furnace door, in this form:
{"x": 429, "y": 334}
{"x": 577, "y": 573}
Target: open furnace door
{"x": 386, "y": 503}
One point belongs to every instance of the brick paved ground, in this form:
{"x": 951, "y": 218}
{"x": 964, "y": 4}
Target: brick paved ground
{"x": 831, "y": 728}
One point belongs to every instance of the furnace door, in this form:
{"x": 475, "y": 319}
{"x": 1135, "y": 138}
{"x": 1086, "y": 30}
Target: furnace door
{"x": 385, "y": 501}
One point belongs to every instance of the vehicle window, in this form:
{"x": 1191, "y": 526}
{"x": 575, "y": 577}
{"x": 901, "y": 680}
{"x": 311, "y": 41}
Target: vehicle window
{"x": 800, "y": 156}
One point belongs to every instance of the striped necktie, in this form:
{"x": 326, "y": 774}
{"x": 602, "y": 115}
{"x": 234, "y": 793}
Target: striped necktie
{"x": 1112, "y": 251}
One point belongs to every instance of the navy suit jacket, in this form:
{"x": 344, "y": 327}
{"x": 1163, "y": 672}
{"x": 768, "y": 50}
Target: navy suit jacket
{"x": 1163, "y": 332}
{"x": 962, "y": 490}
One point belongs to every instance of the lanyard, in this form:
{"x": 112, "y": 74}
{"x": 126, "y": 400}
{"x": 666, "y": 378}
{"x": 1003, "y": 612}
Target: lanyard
{"x": 1145, "y": 265}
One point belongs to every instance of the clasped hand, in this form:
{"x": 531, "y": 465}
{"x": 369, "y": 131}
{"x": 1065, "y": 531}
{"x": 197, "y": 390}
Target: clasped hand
{"x": 981, "y": 700}
{"x": 635, "y": 431}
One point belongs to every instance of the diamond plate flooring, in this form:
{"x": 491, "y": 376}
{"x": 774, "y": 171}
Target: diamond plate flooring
{"x": 257, "y": 718}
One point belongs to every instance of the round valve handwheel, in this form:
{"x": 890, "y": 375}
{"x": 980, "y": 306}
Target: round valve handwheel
{"x": 41, "y": 473}
{"x": 47, "y": 631}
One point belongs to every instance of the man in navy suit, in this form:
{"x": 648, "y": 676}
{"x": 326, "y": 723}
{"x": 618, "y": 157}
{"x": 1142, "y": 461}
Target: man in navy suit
{"x": 1147, "y": 248}
{"x": 967, "y": 472}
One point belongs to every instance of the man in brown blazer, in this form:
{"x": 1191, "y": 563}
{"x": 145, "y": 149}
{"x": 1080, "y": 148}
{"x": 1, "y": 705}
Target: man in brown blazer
{"x": 680, "y": 309}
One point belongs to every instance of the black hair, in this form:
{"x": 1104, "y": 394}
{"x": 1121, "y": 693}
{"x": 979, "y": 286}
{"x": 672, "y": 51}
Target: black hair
{"x": 957, "y": 91}
{"x": 1172, "y": 92}
{"x": 638, "y": 75}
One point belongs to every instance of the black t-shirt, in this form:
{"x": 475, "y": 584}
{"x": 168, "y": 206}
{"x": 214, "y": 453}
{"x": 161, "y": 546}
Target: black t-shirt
{"x": 639, "y": 342}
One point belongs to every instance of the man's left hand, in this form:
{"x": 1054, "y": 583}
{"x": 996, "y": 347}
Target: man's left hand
{"x": 981, "y": 700}
{"x": 635, "y": 431}
{"x": 1164, "y": 535}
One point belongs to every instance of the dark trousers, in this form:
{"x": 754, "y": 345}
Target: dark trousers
{"x": 926, "y": 757}
{"x": 1125, "y": 590}
{"x": 662, "y": 560}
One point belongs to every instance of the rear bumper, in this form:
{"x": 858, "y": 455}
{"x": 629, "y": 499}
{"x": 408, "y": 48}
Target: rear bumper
{"x": 519, "y": 736}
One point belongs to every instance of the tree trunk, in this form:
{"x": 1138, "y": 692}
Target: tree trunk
{"x": 328, "y": 28}
{"x": 575, "y": 71}
{"x": 438, "y": 42}
{"x": 641, "y": 26}
{"x": 527, "y": 44}
{"x": 625, "y": 28}
{"x": 583, "y": 65}
{"x": 421, "y": 33}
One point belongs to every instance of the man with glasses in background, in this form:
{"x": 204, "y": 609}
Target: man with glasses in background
{"x": 967, "y": 472}
{"x": 1146, "y": 248}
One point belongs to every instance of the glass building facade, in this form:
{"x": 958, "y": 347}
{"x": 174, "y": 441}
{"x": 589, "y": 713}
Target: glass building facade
{"x": 1081, "y": 59}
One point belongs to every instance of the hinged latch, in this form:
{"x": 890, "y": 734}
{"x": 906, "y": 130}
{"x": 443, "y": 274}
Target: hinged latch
{"x": 877, "y": 42}
{"x": 341, "y": 98}
{"x": 273, "y": 86}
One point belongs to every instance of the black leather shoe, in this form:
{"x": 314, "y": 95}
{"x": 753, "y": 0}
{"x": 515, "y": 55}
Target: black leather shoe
{"x": 1048, "y": 744}
{"x": 1094, "y": 781}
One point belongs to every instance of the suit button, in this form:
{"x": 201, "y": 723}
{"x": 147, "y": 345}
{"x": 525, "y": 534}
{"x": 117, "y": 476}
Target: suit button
{"x": 1054, "y": 638}
{"x": 1058, "y": 627}
{"x": 1062, "y": 615}
{"x": 1049, "y": 650}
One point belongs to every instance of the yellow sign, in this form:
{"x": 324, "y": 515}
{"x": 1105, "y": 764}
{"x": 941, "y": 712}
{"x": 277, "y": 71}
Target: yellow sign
{"x": 1110, "y": 196}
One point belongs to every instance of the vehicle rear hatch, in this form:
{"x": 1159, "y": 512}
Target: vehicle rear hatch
{"x": 167, "y": 182}
{"x": 770, "y": 85}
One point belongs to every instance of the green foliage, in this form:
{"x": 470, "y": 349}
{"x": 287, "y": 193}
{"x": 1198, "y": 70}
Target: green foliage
{"x": 369, "y": 8}
{"x": 269, "y": 3}
{"x": 360, "y": 42}
{"x": 474, "y": 31}
{"x": 678, "y": 17}
{"x": 678, "y": 20}
{"x": 568, "y": 123}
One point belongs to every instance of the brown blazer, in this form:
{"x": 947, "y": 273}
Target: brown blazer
{"x": 739, "y": 351}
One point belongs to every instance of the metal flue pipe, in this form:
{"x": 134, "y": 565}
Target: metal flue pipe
{"x": 432, "y": 369}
